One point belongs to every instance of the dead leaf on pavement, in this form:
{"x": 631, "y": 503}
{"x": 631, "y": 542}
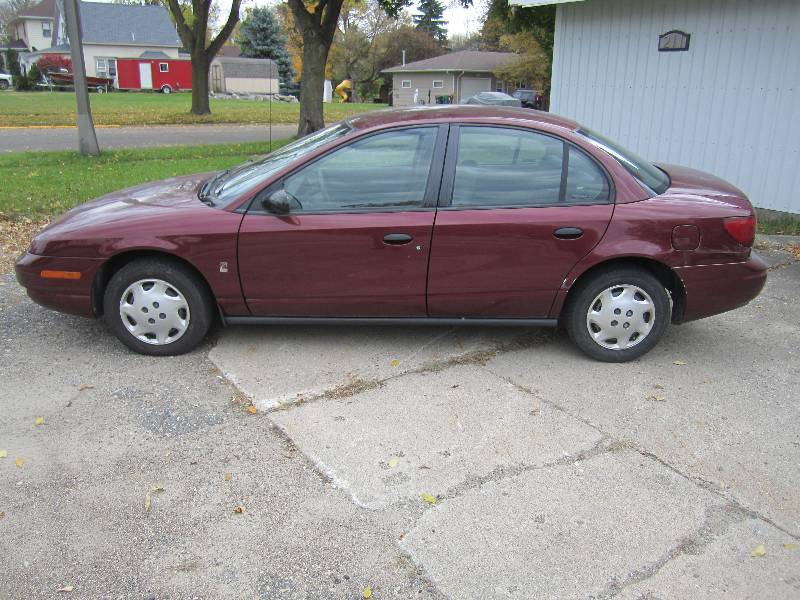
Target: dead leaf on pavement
{"x": 148, "y": 502}
{"x": 759, "y": 551}
{"x": 19, "y": 462}
{"x": 252, "y": 409}
{"x": 3, "y": 514}
{"x": 85, "y": 386}
{"x": 706, "y": 381}
{"x": 366, "y": 593}
{"x": 395, "y": 363}
{"x": 656, "y": 398}
{"x": 239, "y": 510}
{"x": 228, "y": 476}
{"x": 790, "y": 546}
{"x": 428, "y": 497}
{"x": 3, "y": 453}
{"x": 67, "y": 588}
{"x": 393, "y": 462}
{"x": 39, "y": 421}
{"x": 680, "y": 363}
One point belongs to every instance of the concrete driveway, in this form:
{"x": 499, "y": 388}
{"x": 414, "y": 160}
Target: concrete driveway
{"x": 23, "y": 139}
{"x": 409, "y": 463}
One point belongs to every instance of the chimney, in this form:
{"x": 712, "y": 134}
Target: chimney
{"x": 404, "y": 57}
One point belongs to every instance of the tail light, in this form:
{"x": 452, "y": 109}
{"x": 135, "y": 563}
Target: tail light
{"x": 741, "y": 229}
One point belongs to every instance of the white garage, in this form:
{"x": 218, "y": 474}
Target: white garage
{"x": 473, "y": 85}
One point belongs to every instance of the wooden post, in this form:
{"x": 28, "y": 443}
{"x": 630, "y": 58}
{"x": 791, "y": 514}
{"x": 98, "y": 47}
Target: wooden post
{"x": 87, "y": 138}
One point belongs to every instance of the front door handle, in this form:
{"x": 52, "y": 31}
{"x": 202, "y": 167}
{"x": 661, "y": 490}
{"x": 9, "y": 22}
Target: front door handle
{"x": 397, "y": 239}
{"x": 568, "y": 233}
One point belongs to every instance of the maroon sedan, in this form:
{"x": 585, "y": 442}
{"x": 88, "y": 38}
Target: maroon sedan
{"x": 442, "y": 216}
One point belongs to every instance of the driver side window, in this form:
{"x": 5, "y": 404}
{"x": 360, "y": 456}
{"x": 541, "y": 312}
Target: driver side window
{"x": 386, "y": 171}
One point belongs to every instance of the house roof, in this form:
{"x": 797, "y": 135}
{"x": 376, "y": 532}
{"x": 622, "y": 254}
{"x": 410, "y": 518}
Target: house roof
{"x": 17, "y": 45}
{"x": 465, "y": 60}
{"x": 230, "y": 50}
{"x": 153, "y": 54}
{"x": 248, "y": 68}
{"x": 46, "y": 9}
{"x": 128, "y": 24}
{"x": 538, "y": 2}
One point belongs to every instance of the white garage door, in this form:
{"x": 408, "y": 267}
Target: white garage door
{"x": 472, "y": 85}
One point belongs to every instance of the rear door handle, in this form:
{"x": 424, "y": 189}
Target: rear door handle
{"x": 568, "y": 233}
{"x": 397, "y": 239}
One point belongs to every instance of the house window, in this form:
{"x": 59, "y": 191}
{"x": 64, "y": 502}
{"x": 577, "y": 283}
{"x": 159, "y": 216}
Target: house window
{"x": 438, "y": 83}
{"x": 163, "y": 67}
{"x": 101, "y": 67}
{"x": 405, "y": 83}
{"x": 46, "y": 31}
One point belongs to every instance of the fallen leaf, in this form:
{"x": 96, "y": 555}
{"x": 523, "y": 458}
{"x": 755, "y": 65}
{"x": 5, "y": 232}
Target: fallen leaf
{"x": 157, "y": 488}
{"x": 228, "y": 476}
{"x": 706, "y": 381}
{"x": 19, "y": 462}
{"x": 656, "y": 398}
{"x": 395, "y": 363}
{"x": 680, "y": 363}
{"x": 3, "y": 453}
{"x": 759, "y": 551}
{"x": 366, "y": 593}
{"x": 238, "y": 510}
{"x": 3, "y": 514}
{"x": 252, "y": 410}
{"x": 67, "y": 588}
{"x": 39, "y": 421}
{"x": 428, "y": 497}
{"x": 148, "y": 502}
{"x": 85, "y": 386}
{"x": 790, "y": 546}
{"x": 393, "y": 462}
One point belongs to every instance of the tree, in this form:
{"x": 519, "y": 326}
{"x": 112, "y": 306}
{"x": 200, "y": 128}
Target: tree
{"x": 12, "y": 63}
{"x": 418, "y": 45}
{"x": 431, "y": 20}
{"x": 9, "y": 9}
{"x": 261, "y": 36}
{"x": 539, "y": 23}
{"x": 193, "y": 31}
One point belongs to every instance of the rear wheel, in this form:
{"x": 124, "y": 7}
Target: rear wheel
{"x": 618, "y": 314}
{"x": 165, "y": 89}
{"x": 3, "y": 84}
{"x": 157, "y": 307}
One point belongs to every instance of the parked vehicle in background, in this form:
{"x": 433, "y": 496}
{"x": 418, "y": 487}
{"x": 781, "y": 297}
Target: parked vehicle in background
{"x": 529, "y": 98}
{"x": 166, "y": 75}
{"x": 5, "y": 80}
{"x": 492, "y": 99}
{"x": 451, "y": 215}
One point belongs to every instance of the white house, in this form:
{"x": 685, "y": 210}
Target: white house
{"x": 712, "y": 84}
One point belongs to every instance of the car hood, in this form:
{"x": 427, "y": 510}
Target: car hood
{"x": 691, "y": 183}
{"x": 128, "y": 208}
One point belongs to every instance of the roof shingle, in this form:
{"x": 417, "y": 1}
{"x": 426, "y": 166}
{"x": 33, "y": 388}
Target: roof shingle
{"x": 129, "y": 24}
{"x": 465, "y": 60}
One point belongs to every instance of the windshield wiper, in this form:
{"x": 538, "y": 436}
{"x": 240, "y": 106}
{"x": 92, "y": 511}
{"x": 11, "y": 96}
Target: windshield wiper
{"x": 205, "y": 191}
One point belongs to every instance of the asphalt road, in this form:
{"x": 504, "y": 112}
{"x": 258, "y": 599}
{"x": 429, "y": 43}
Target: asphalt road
{"x": 424, "y": 463}
{"x": 64, "y": 138}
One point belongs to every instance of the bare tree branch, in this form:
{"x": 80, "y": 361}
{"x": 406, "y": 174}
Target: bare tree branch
{"x": 187, "y": 37}
{"x": 227, "y": 30}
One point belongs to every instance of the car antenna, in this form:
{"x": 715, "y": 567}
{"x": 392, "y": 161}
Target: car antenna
{"x": 270, "y": 108}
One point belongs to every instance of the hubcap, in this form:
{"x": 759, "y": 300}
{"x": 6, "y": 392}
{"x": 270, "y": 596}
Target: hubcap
{"x": 154, "y": 311}
{"x": 620, "y": 317}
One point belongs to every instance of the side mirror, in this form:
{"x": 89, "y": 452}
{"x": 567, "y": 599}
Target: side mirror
{"x": 278, "y": 202}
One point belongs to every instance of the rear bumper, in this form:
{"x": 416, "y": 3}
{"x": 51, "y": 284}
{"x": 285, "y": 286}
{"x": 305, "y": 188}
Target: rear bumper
{"x": 714, "y": 289}
{"x": 73, "y": 296}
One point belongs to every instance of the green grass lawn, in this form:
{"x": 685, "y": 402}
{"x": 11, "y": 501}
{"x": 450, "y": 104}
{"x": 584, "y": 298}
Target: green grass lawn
{"x": 40, "y": 185}
{"x": 26, "y": 109}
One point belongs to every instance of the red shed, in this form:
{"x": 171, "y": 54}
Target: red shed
{"x": 145, "y": 73}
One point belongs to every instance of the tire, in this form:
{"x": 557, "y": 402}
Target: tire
{"x": 165, "y": 89}
{"x": 3, "y": 84}
{"x": 595, "y": 326}
{"x": 173, "y": 302}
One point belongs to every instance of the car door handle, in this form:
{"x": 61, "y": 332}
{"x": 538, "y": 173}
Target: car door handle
{"x": 568, "y": 233}
{"x": 397, "y": 239}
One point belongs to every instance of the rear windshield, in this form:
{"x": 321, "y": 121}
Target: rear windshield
{"x": 646, "y": 172}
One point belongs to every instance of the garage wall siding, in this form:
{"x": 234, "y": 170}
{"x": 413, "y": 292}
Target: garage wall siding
{"x": 729, "y": 105}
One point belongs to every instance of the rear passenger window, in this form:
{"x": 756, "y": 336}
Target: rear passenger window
{"x": 510, "y": 167}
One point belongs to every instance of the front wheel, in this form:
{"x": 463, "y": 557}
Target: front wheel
{"x": 165, "y": 89}
{"x": 618, "y": 315}
{"x": 3, "y": 84}
{"x": 157, "y": 307}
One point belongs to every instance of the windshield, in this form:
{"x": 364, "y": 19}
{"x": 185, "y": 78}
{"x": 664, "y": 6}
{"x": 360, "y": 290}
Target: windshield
{"x": 229, "y": 185}
{"x": 646, "y": 172}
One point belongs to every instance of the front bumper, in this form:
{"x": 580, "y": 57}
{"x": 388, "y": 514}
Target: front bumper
{"x": 73, "y": 296}
{"x": 714, "y": 289}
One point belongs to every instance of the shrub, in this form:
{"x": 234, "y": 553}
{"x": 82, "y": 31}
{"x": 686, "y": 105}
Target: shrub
{"x": 53, "y": 62}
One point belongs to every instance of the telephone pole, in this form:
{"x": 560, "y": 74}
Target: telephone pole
{"x": 87, "y": 138}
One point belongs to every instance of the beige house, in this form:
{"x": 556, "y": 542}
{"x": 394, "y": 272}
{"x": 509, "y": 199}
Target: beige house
{"x": 451, "y": 78}
{"x": 33, "y": 27}
{"x": 234, "y": 74}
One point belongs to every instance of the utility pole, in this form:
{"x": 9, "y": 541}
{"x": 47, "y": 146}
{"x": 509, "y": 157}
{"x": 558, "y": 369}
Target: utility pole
{"x": 87, "y": 138}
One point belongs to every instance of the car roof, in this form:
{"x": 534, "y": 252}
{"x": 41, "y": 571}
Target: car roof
{"x": 451, "y": 112}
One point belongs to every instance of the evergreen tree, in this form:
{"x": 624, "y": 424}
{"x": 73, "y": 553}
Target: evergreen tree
{"x": 431, "y": 20}
{"x": 261, "y": 36}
